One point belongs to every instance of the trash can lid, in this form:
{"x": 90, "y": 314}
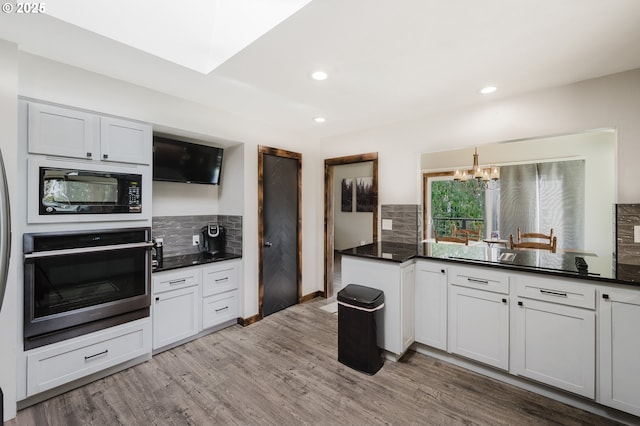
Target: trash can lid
{"x": 361, "y": 296}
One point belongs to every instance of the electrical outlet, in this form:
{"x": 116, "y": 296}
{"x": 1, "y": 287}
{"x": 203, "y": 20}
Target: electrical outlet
{"x": 636, "y": 234}
{"x": 387, "y": 224}
{"x": 196, "y": 240}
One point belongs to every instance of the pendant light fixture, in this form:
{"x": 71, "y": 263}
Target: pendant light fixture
{"x": 487, "y": 178}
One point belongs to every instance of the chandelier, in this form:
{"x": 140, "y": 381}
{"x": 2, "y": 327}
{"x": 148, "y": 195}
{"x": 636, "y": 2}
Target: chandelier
{"x": 486, "y": 178}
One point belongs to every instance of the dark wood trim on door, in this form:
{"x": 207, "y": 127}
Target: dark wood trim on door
{"x": 328, "y": 209}
{"x": 264, "y": 150}
{"x": 425, "y": 188}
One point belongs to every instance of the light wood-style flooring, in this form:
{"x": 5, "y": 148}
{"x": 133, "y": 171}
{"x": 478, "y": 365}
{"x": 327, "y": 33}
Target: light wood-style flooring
{"x": 283, "y": 370}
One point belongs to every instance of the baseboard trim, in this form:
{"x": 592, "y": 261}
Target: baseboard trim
{"x": 309, "y": 297}
{"x": 250, "y": 320}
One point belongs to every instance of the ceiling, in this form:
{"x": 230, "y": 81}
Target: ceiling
{"x": 387, "y": 61}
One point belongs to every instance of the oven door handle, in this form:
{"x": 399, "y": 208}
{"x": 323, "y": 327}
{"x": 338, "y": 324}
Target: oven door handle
{"x": 81, "y": 250}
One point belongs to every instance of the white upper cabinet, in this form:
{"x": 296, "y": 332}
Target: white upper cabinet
{"x": 125, "y": 141}
{"x": 67, "y": 132}
{"x": 61, "y": 131}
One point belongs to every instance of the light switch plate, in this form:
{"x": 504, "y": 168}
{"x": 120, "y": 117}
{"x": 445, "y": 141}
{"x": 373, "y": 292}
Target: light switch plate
{"x": 387, "y": 224}
{"x": 636, "y": 234}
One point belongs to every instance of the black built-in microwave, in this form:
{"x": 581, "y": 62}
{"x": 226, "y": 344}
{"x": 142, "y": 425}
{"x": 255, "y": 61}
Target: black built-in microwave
{"x": 73, "y": 191}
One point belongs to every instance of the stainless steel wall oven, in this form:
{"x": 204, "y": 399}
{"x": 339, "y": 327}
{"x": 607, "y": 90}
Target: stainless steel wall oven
{"x": 79, "y": 282}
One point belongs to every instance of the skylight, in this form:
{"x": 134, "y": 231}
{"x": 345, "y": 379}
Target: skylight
{"x": 197, "y": 34}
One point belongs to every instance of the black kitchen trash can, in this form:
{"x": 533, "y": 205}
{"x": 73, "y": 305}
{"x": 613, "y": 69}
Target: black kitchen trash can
{"x": 358, "y": 309}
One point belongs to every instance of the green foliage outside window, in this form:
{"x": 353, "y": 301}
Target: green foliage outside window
{"x": 459, "y": 203}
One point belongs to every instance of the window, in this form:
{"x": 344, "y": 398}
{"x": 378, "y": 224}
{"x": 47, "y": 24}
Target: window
{"x": 535, "y": 197}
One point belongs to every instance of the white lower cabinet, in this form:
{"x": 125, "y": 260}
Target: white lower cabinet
{"x": 64, "y": 362}
{"x": 431, "y": 304}
{"x": 619, "y": 349}
{"x": 479, "y": 315}
{"x": 219, "y": 308}
{"x": 555, "y": 334}
{"x": 175, "y": 306}
{"x": 220, "y": 293}
{"x": 479, "y": 326}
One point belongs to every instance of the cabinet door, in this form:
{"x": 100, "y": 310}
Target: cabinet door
{"x": 619, "y": 349}
{"x": 61, "y": 132}
{"x": 555, "y": 344}
{"x": 479, "y": 325}
{"x": 125, "y": 141}
{"x": 175, "y": 316}
{"x": 431, "y": 305}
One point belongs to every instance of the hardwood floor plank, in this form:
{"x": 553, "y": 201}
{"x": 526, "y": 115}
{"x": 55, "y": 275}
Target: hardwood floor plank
{"x": 283, "y": 370}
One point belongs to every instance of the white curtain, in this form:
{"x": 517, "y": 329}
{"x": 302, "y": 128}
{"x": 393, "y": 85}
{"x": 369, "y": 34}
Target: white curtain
{"x": 538, "y": 197}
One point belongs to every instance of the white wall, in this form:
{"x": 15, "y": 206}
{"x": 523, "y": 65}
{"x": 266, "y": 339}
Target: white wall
{"x": 8, "y": 135}
{"x": 351, "y": 228}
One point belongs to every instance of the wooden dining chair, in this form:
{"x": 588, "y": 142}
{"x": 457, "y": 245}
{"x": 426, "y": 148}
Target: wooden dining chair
{"x": 473, "y": 235}
{"x": 452, "y": 239}
{"x": 532, "y": 240}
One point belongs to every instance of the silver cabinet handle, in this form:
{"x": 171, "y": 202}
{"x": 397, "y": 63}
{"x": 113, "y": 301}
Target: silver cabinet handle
{"x": 477, "y": 281}
{"x": 222, "y": 309}
{"x": 219, "y": 280}
{"x": 180, "y": 281}
{"x": 87, "y": 358}
{"x": 553, "y": 293}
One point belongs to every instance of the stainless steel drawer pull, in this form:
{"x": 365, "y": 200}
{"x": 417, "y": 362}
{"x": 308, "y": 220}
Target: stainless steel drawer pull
{"x": 222, "y": 309}
{"x": 477, "y": 281}
{"x": 553, "y": 293}
{"x": 177, "y": 281}
{"x": 87, "y": 358}
{"x": 219, "y": 280}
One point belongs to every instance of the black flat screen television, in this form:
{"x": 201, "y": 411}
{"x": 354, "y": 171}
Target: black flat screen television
{"x": 178, "y": 161}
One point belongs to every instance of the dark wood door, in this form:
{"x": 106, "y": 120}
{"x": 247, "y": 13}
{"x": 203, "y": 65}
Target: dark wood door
{"x": 280, "y": 212}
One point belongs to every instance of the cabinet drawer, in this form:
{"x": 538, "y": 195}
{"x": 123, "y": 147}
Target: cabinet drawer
{"x": 219, "y": 278}
{"x": 185, "y": 277}
{"x": 556, "y": 291}
{"x": 220, "y": 308}
{"x": 55, "y": 366}
{"x": 483, "y": 279}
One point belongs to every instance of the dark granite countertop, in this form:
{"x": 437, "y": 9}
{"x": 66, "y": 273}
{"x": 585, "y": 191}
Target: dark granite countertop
{"x": 539, "y": 261}
{"x": 175, "y": 262}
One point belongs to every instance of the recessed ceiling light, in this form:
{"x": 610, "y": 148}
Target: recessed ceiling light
{"x": 319, "y": 75}
{"x": 488, "y": 89}
{"x": 319, "y": 119}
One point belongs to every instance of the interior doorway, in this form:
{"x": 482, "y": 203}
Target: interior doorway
{"x": 279, "y": 229}
{"x": 330, "y": 198}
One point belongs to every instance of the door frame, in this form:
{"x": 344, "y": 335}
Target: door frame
{"x": 329, "y": 164}
{"x": 262, "y": 151}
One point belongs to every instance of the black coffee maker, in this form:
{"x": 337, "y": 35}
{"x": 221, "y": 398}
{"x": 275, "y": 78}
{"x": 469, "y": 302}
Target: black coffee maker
{"x": 212, "y": 240}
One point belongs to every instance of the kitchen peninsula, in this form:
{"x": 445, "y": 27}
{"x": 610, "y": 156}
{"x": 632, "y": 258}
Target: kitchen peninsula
{"x": 528, "y": 317}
